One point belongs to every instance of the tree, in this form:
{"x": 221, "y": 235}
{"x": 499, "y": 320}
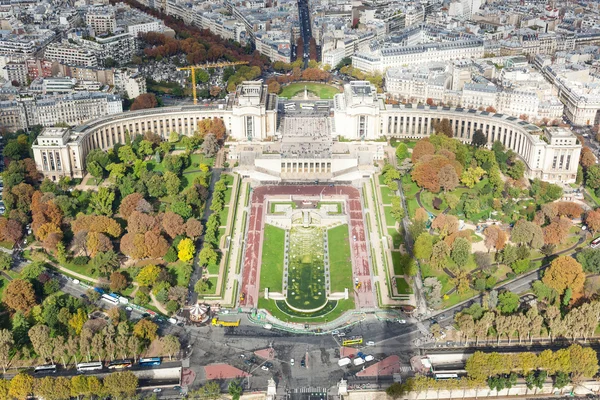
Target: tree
{"x": 587, "y": 158}
{"x": 517, "y": 170}
{"x": 525, "y": 232}
{"x": 134, "y": 202}
{"x": 235, "y": 390}
{"x": 121, "y": 384}
{"x": 173, "y": 224}
{"x": 508, "y": 302}
{"x": 564, "y": 272}
{"x": 156, "y": 186}
{"x": 448, "y": 178}
{"x": 397, "y": 210}
{"x": 495, "y": 238}
{"x": 148, "y": 275}
{"x": 78, "y": 320}
{"x": 402, "y": 152}
{"x": 479, "y": 138}
{"x": 592, "y": 220}
{"x": 445, "y": 224}
{"x": 441, "y": 250}
{"x": 593, "y": 176}
{"x": 19, "y": 296}
{"x": 461, "y": 250}
{"x": 423, "y": 148}
{"x": 118, "y": 281}
{"x": 186, "y": 250}
{"x": 6, "y": 343}
{"x": 193, "y": 228}
{"x": 207, "y": 255}
{"x": 143, "y": 101}
{"x": 471, "y": 176}
{"x": 21, "y": 386}
{"x": 5, "y": 261}
{"x": 210, "y": 146}
{"x": 105, "y": 262}
{"x": 172, "y": 183}
{"x": 145, "y": 330}
{"x": 210, "y": 390}
{"x": 444, "y": 127}
{"x": 170, "y": 345}
{"x": 423, "y": 246}
{"x": 584, "y": 362}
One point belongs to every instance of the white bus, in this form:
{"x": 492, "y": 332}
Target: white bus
{"x": 110, "y": 299}
{"x": 322, "y": 104}
{"x": 91, "y": 366}
{"x": 307, "y": 106}
{"x": 595, "y": 243}
{"x": 440, "y": 377}
{"x": 290, "y": 106}
{"x": 45, "y": 369}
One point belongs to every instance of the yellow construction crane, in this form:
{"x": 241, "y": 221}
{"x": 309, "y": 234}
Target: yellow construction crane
{"x": 193, "y": 69}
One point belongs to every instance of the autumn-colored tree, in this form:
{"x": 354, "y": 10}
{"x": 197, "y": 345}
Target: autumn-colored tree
{"x": 10, "y": 230}
{"x": 445, "y": 224}
{"x": 557, "y": 231}
{"x": 145, "y": 330}
{"x": 524, "y": 117}
{"x": 133, "y": 245}
{"x": 121, "y": 384}
{"x": 156, "y": 245}
{"x": 422, "y": 148}
{"x": 148, "y": 275}
{"x": 587, "y": 158}
{"x": 448, "y": 178}
{"x": 274, "y": 86}
{"x": 173, "y": 224}
{"x": 96, "y": 223}
{"x": 21, "y": 386}
{"x": 97, "y": 242}
{"x": 429, "y": 101}
{"x": 490, "y": 109}
{"x": 444, "y": 127}
{"x": 216, "y": 126}
{"x": 141, "y": 223}
{"x": 193, "y": 228}
{"x": 425, "y": 176}
{"x": 592, "y": 220}
{"x": 118, "y": 281}
{"x": 421, "y": 215}
{"x": 19, "y": 296}
{"x": 525, "y": 232}
{"x": 186, "y": 249}
{"x": 564, "y": 272}
{"x": 134, "y": 202}
{"x": 143, "y": 101}
{"x": 495, "y": 238}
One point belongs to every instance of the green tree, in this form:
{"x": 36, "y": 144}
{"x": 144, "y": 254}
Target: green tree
{"x": 21, "y": 386}
{"x": 423, "y": 246}
{"x": 479, "y": 138}
{"x": 461, "y": 251}
{"x": 235, "y": 390}
{"x": 517, "y": 170}
{"x": 102, "y": 201}
{"x": 172, "y": 183}
{"x": 126, "y": 154}
{"x": 207, "y": 255}
{"x": 5, "y": 261}
{"x": 156, "y": 186}
{"x": 508, "y": 302}
{"x": 402, "y": 152}
{"x": 471, "y": 176}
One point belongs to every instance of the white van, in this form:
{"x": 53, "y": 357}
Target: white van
{"x": 268, "y": 326}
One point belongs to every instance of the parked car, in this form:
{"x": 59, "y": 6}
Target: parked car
{"x": 292, "y": 362}
{"x": 370, "y": 343}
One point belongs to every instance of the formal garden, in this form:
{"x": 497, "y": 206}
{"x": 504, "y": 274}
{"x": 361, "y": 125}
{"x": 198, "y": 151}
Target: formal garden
{"x": 321, "y": 90}
{"x": 310, "y": 269}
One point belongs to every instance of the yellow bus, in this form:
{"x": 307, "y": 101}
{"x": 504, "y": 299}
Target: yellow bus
{"x": 352, "y": 341}
{"x": 218, "y": 322}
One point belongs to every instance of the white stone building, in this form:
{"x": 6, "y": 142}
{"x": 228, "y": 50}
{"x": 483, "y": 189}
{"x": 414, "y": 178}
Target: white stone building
{"x": 70, "y": 54}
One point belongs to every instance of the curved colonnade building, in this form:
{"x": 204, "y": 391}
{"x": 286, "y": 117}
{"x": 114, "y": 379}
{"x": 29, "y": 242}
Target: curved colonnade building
{"x": 273, "y": 142}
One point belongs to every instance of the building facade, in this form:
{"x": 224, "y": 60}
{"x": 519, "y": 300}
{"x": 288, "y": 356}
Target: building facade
{"x": 251, "y": 118}
{"x": 249, "y": 114}
{"x": 70, "y": 54}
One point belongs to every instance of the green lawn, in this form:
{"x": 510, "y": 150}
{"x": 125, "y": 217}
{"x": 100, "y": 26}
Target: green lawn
{"x": 212, "y": 286}
{"x": 287, "y": 203}
{"x": 223, "y": 215}
{"x": 397, "y": 238}
{"x": 227, "y": 197}
{"x": 228, "y": 179}
{"x": 221, "y": 233}
{"x": 81, "y": 269}
{"x": 271, "y": 306}
{"x": 271, "y": 271}
{"x": 212, "y": 269}
{"x": 402, "y": 286}
{"x": 427, "y": 201}
{"x": 386, "y": 194}
{"x": 3, "y": 284}
{"x": 188, "y": 179}
{"x": 7, "y": 245}
{"x": 181, "y": 271}
{"x": 397, "y": 262}
{"x": 197, "y": 159}
{"x": 340, "y": 259}
{"x": 154, "y": 166}
{"x": 319, "y": 89}
{"x": 389, "y": 219}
